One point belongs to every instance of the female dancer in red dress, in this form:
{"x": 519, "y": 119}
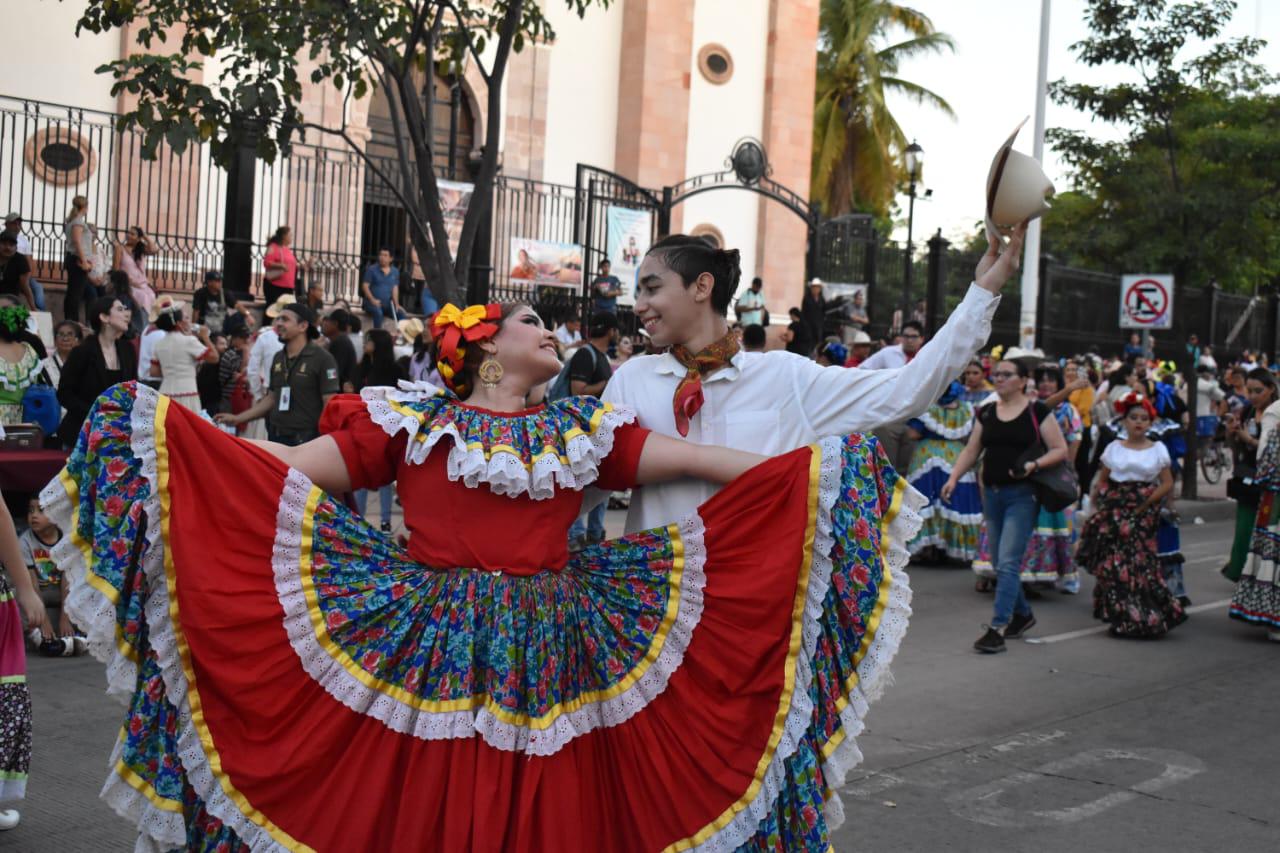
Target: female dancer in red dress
{"x": 297, "y": 680}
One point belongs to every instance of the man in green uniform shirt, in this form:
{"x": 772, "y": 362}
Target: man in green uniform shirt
{"x": 303, "y": 378}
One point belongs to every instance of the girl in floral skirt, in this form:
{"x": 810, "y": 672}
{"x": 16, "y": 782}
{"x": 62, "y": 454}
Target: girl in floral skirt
{"x": 18, "y": 598}
{"x": 1118, "y": 545}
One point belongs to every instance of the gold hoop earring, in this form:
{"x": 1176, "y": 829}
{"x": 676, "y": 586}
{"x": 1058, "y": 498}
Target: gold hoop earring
{"x": 490, "y": 372}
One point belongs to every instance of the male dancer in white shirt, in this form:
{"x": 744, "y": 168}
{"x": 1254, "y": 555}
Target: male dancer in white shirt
{"x": 771, "y": 402}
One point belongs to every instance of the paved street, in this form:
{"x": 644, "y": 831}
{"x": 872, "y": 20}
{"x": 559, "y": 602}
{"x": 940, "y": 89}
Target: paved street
{"x": 1077, "y": 742}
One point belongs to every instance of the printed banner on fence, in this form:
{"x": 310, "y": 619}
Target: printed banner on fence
{"x": 628, "y": 232}
{"x": 455, "y": 198}
{"x": 546, "y": 262}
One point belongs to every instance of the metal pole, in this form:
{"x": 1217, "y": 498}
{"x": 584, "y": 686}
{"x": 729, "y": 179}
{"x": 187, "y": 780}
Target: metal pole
{"x": 906, "y": 281}
{"x": 1031, "y": 255}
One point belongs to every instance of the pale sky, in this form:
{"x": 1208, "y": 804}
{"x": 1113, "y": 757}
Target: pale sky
{"x": 990, "y": 82}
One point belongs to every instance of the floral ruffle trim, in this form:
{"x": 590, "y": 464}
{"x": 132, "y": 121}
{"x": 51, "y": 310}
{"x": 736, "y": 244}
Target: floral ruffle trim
{"x": 441, "y": 725}
{"x": 873, "y": 670}
{"x": 532, "y": 453}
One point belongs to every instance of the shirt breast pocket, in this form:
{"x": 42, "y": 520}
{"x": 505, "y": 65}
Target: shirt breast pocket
{"x": 753, "y": 430}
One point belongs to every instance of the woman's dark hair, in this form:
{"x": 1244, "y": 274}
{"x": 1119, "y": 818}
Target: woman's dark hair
{"x": 167, "y": 321}
{"x": 119, "y": 283}
{"x": 102, "y": 308}
{"x": 379, "y": 367}
{"x": 474, "y": 355}
{"x": 421, "y": 343}
{"x": 690, "y": 257}
{"x": 1262, "y": 376}
{"x": 278, "y": 237}
{"x": 1120, "y": 376}
{"x": 138, "y": 248}
{"x": 1019, "y": 367}
{"x": 1050, "y": 371}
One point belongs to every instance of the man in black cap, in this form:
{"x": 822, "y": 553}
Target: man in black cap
{"x": 209, "y": 304}
{"x": 303, "y": 379}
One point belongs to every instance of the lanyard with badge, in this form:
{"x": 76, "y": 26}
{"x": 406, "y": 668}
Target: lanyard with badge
{"x": 283, "y": 404}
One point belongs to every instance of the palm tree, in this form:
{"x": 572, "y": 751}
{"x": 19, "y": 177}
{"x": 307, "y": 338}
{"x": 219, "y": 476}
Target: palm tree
{"x": 857, "y": 143}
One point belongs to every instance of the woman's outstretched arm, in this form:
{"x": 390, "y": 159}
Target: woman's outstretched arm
{"x": 666, "y": 458}
{"x": 320, "y": 459}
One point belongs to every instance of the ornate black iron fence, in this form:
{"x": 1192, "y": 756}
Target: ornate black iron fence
{"x": 51, "y": 153}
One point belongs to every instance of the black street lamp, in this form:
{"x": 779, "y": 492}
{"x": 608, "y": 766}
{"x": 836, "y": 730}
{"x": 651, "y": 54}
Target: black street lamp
{"x": 914, "y": 156}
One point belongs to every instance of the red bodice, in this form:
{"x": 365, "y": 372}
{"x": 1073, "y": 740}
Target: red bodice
{"x": 451, "y": 525}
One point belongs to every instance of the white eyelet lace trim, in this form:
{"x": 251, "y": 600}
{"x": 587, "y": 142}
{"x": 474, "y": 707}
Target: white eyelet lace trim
{"x": 938, "y": 462}
{"x": 955, "y": 433}
{"x": 873, "y": 670}
{"x": 92, "y": 611}
{"x": 154, "y": 826}
{"x": 439, "y": 725}
{"x": 505, "y": 472}
{"x": 96, "y": 614}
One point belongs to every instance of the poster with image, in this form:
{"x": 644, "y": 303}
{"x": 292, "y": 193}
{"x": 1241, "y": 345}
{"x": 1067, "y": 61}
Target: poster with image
{"x": 628, "y": 234}
{"x": 853, "y": 299}
{"x": 545, "y": 262}
{"x": 455, "y": 198}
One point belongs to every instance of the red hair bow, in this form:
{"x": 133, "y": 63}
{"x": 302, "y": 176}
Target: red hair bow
{"x": 451, "y": 326}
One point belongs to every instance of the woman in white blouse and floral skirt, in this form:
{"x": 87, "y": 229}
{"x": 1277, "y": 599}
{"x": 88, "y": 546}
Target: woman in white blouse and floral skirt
{"x": 1118, "y": 545}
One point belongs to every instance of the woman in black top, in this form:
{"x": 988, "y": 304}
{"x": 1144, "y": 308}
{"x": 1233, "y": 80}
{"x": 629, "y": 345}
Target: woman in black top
{"x": 102, "y": 360}
{"x": 378, "y": 367}
{"x": 1244, "y": 433}
{"x": 1004, "y": 430}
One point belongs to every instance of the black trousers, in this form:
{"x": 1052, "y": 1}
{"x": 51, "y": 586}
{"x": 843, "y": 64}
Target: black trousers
{"x": 80, "y": 294}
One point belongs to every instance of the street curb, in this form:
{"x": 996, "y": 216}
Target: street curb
{"x": 1210, "y": 510}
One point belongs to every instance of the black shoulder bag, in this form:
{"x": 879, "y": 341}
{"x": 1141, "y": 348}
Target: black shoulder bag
{"x": 1056, "y": 487}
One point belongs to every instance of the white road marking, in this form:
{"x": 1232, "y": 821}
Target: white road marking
{"x": 980, "y": 804}
{"x": 1101, "y": 629}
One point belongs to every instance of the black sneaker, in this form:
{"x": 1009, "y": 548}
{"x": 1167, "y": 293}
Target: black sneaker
{"x": 1184, "y": 600}
{"x": 990, "y": 643}
{"x": 1019, "y": 625}
{"x": 386, "y": 527}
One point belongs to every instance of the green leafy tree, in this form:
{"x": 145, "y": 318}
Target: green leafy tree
{"x": 1194, "y": 186}
{"x": 857, "y": 142}
{"x": 353, "y": 45}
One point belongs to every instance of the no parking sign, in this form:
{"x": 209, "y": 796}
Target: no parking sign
{"x": 1146, "y": 302}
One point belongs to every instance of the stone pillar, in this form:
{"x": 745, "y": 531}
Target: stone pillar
{"x": 790, "y": 73}
{"x": 524, "y": 148}
{"x": 653, "y": 93}
{"x": 936, "y": 283}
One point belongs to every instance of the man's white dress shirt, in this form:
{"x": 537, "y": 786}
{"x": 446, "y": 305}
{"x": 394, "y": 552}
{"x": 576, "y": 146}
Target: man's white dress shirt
{"x": 146, "y": 352}
{"x": 774, "y": 402}
{"x": 887, "y": 358}
{"x": 261, "y": 354}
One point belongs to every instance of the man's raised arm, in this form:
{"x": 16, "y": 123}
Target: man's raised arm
{"x": 840, "y": 400}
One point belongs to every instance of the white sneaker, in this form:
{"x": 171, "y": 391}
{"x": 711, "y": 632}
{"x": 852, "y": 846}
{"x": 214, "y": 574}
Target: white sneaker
{"x": 9, "y": 818}
{"x": 81, "y": 645}
{"x": 35, "y": 638}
